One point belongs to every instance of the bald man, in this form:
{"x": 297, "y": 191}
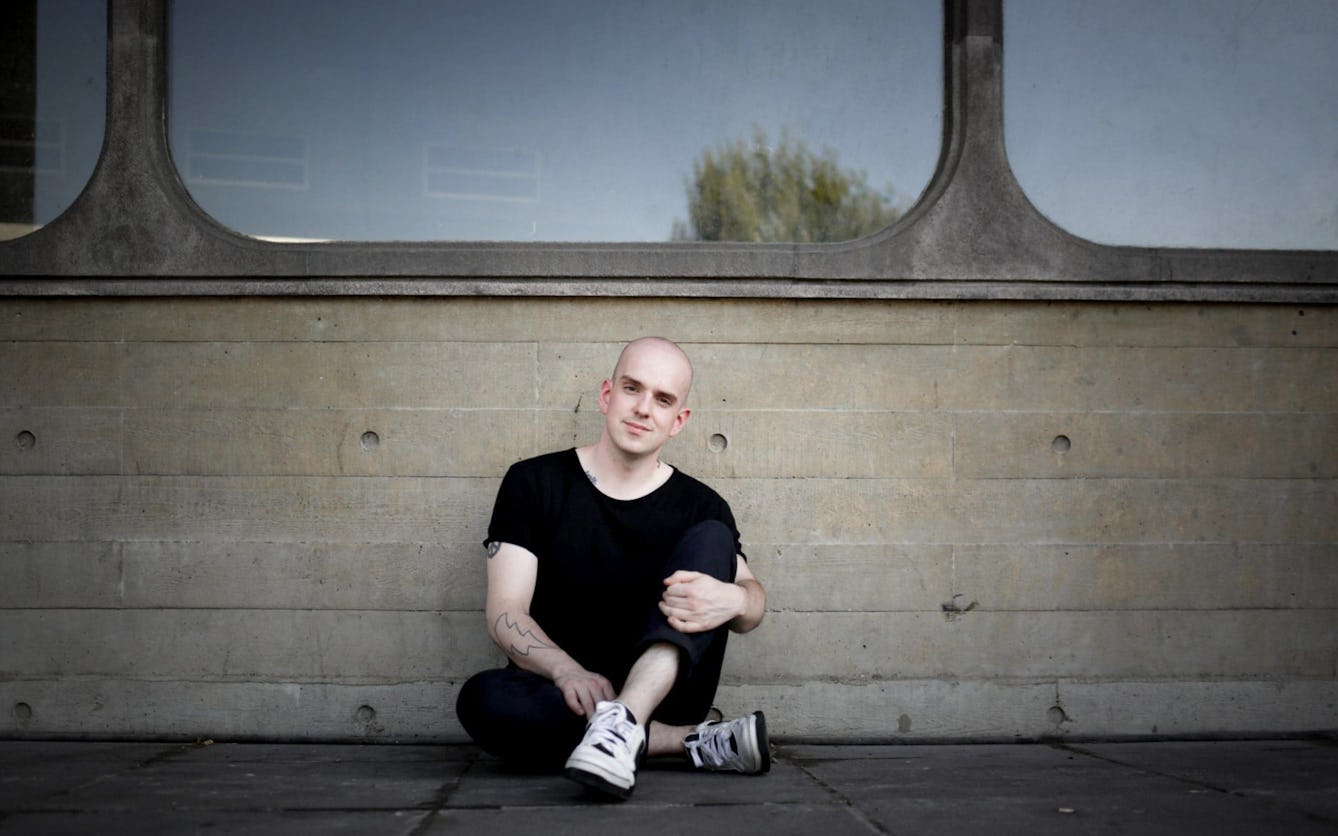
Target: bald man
{"x": 614, "y": 580}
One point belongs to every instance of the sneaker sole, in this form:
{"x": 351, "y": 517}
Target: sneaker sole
{"x": 595, "y": 781}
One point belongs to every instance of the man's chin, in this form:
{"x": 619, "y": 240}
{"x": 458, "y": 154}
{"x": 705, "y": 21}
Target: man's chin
{"x": 638, "y": 445}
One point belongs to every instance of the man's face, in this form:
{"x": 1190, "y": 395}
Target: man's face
{"x": 644, "y": 403}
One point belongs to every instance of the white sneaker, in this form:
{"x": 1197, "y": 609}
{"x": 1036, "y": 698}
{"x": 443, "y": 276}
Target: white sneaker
{"x": 739, "y": 745}
{"x": 608, "y": 755}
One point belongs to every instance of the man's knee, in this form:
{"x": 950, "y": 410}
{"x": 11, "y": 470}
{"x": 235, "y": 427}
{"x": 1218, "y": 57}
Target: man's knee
{"x": 518, "y": 716}
{"x": 473, "y": 701}
{"x": 708, "y": 547}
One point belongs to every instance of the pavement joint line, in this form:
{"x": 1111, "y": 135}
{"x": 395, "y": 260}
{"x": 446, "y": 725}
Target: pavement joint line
{"x": 444, "y": 796}
{"x": 845, "y": 801}
{"x": 1266, "y": 801}
{"x": 1080, "y": 750}
{"x": 169, "y": 753}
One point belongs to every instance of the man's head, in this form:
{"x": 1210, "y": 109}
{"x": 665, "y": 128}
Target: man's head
{"x": 645, "y": 401}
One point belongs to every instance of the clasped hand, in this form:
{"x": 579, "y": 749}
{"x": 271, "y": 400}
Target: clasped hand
{"x": 694, "y": 602}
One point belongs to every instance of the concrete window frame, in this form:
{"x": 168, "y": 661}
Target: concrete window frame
{"x": 973, "y": 235}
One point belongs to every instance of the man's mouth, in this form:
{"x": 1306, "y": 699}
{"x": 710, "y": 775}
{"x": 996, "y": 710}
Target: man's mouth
{"x": 637, "y": 427}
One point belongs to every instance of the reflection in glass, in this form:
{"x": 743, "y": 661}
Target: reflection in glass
{"x": 764, "y": 191}
{"x": 583, "y": 120}
{"x": 1198, "y": 123}
{"x": 52, "y": 107}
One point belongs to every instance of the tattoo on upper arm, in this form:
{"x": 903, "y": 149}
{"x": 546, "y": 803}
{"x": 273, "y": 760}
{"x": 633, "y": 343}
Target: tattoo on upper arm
{"x": 521, "y": 641}
{"x": 493, "y": 548}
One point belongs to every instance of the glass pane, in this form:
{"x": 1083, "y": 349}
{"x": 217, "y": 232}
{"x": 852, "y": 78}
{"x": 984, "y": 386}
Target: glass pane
{"x": 1195, "y": 123}
{"x": 557, "y": 121}
{"x": 53, "y": 102}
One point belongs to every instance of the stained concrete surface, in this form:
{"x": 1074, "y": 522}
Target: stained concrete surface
{"x": 1254, "y": 786}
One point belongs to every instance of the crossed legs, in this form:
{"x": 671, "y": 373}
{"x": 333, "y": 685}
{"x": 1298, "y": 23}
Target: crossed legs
{"x": 522, "y": 717}
{"x": 648, "y": 683}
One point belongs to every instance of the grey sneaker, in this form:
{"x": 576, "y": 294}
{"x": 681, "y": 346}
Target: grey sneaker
{"x": 739, "y": 745}
{"x": 607, "y": 757}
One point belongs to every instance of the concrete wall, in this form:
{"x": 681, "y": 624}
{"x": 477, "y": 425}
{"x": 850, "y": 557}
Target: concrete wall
{"x": 260, "y": 517}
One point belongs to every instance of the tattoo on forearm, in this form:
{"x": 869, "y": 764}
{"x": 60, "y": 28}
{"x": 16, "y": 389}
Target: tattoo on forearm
{"x": 522, "y": 641}
{"x": 493, "y": 548}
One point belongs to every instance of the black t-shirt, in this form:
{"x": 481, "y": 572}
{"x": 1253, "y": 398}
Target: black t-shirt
{"x": 600, "y": 559}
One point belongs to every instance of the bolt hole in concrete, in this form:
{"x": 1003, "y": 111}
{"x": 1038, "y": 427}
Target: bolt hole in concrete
{"x": 365, "y": 714}
{"x": 370, "y": 441}
{"x": 717, "y": 443}
{"x": 1056, "y": 715}
{"x": 1061, "y": 444}
{"x": 22, "y": 711}
{"x": 25, "y": 440}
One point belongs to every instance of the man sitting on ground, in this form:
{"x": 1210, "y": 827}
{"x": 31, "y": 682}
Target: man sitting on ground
{"x": 614, "y": 580}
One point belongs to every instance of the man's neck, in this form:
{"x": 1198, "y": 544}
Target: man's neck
{"x": 620, "y": 476}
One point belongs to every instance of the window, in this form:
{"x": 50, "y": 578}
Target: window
{"x": 579, "y": 120}
{"x": 52, "y": 107}
{"x": 1197, "y": 123}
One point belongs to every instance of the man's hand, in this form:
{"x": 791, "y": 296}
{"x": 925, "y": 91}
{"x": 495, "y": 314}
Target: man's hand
{"x": 582, "y": 689}
{"x": 694, "y": 602}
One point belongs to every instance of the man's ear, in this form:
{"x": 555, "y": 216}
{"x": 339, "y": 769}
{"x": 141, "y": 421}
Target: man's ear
{"x": 679, "y": 420}
{"x": 605, "y": 391}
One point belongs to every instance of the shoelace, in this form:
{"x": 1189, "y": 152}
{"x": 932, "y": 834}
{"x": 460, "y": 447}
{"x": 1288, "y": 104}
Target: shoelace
{"x": 719, "y": 748}
{"x": 611, "y": 734}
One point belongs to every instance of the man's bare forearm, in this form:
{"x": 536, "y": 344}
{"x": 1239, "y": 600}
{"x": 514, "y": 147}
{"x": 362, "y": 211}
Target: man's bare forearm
{"x": 754, "y": 606}
{"x": 524, "y": 642}
{"x": 516, "y": 639}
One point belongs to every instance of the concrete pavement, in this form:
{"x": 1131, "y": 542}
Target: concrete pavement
{"x": 1220, "y": 787}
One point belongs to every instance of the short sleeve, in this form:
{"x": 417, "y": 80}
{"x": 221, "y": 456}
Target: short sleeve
{"x": 726, "y": 516}
{"x": 515, "y": 513}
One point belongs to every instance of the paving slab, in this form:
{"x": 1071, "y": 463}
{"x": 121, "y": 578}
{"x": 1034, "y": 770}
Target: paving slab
{"x": 173, "y": 823}
{"x": 256, "y": 778}
{"x": 1050, "y": 789}
{"x": 488, "y": 784}
{"x": 266, "y": 786}
{"x": 688, "y": 819}
{"x": 1255, "y": 787}
{"x": 31, "y": 772}
{"x": 327, "y": 753}
{"x": 1300, "y": 774}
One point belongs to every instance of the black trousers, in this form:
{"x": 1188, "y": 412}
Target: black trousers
{"x": 523, "y": 718}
